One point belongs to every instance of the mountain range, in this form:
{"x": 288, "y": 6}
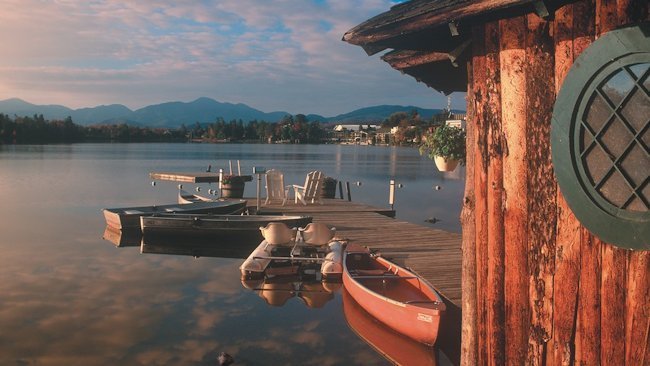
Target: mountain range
{"x": 202, "y": 110}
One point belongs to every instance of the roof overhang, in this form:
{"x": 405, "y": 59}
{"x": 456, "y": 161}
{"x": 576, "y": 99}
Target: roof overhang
{"x": 430, "y": 38}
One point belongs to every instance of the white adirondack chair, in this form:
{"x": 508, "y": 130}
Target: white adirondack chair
{"x": 275, "y": 188}
{"x": 311, "y": 191}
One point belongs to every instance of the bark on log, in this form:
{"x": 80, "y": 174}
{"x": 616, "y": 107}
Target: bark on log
{"x": 567, "y": 244}
{"x": 515, "y": 190}
{"x": 468, "y": 328}
{"x": 612, "y": 320}
{"x": 542, "y": 187}
{"x": 480, "y": 188}
{"x": 637, "y": 326}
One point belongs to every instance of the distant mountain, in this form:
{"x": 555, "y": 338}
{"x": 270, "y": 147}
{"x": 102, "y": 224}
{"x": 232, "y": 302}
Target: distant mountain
{"x": 202, "y": 110}
{"x": 380, "y": 113}
{"x": 21, "y": 108}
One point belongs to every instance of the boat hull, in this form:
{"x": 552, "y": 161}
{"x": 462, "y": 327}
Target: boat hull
{"x": 400, "y": 299}
{"x": 129, "y": 217}
{"x": 215, "y": 225}
{"x": 393, "y": 346}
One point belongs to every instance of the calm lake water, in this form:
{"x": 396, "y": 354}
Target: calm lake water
{"x": 71, "y": 297}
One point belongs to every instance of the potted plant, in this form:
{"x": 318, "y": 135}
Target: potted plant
{"x": 445, "y": 146}
{"x": 232, "y": 186}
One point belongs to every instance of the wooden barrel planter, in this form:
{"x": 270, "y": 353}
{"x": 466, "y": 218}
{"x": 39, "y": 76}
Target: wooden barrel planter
{"x": 233, "y": 190}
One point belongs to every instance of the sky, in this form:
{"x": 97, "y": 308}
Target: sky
{"x": 273, "y": 55}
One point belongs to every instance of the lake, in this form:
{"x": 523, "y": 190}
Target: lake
{"x": 70, "y": 297}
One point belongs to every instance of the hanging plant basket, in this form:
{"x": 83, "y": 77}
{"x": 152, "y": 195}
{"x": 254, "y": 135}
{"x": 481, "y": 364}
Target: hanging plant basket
{"x": 445, "y": 146}
{"x": 445, "y": 165}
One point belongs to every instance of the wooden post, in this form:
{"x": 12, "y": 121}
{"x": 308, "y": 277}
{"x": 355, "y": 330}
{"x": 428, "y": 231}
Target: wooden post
{"x": 467, "y": 218}
{"x": 341, "y": 189}
{"x": 494, "y": 286}
{"x": 567, "y": 242}
{"x": 230, "y": 166}
{"x": 542, "y": 187}
{"x": 637, "y": 310}
{"x": 515, "y": 186}
{"x": 391, "y": 194}
{"x": 347, "y": 188}
{"x": 238, "y": 168}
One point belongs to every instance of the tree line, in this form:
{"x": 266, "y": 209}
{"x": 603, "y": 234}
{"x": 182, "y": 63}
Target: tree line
{"x": 290, "y": 129}
{"x": 37, "y": 130}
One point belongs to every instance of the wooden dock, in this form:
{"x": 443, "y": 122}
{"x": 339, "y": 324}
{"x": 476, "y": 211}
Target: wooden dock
{"x": 434, "y": 254}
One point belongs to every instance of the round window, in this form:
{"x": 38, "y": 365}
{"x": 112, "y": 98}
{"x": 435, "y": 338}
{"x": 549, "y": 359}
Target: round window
{"x": 600, "y": 138}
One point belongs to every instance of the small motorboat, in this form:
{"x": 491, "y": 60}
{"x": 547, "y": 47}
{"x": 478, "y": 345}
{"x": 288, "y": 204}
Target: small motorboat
{"x": 286, "y": 251}
{"x": 129, "y": 217}
{"x": 232, "y": 226}
{"x": 395, "y": 347}
{"x": 187, "y": 197}
{"x": 392, "y": 294}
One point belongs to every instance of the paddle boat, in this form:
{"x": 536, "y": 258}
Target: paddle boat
{"x": 286, "y": 251}
{"x": 129, "y": 217}
{"x": 394, "y": 295}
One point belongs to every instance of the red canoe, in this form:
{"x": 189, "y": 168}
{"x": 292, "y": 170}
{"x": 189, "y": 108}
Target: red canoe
{"x": 392, "y": 294}
{"x": 393, "y": 346}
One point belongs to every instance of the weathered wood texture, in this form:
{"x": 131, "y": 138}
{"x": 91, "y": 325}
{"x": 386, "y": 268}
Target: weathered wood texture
{"x": 467, "y": 219}
{"x": 547, "y": 290}
{"x": 478, "y": 99}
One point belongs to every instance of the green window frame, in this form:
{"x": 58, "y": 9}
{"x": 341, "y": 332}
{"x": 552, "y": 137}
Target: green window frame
{"x": 600, "y": 137}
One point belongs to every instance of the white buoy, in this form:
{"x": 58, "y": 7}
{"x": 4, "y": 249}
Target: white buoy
{"x": 180, "y": 186}
{"x": 198, "y": 189}
{"x": 437, "y": 188}
{"x": 153, "y": 183}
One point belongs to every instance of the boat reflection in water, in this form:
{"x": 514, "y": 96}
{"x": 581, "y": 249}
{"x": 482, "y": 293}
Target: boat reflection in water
{"x": 196, "y": 247}
{"x": 122, "y": 238}
{"x": 276, "y": 291}
{"x": 395, "y": 347}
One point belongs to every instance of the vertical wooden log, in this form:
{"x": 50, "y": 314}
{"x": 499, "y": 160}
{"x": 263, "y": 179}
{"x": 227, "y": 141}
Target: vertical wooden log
{"x": 542, "y": 187}
{"x": 606, "y": 16}
{"x": 567, "y": 244}
{"x": 637, "y": 327}
{"x": 588, "y": 317}
{"x": 612, "y": 320}
{"x": 631, "y": 11}
{"x": 515, "y": 187}
{"x": 588, "y": 327}
{"x": 480, "y": 187}
{"x": 495, "y": 245}
{"x": 467, "y": 218}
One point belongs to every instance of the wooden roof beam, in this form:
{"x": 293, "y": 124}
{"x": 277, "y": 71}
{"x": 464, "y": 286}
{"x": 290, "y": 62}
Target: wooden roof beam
{"x": 400, "y": 60}
{"x": 417, "y": 15}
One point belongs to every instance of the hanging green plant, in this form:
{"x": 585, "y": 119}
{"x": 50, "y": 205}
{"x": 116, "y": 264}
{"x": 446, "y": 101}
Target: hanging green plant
{"x": 446, "y": 142}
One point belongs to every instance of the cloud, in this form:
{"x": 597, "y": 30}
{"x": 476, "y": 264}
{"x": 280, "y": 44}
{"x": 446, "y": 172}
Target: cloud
{"x": 273, "y": 55}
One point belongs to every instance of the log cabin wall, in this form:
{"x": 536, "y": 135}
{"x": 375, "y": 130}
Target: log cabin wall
{"x": 538, "y": 288}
